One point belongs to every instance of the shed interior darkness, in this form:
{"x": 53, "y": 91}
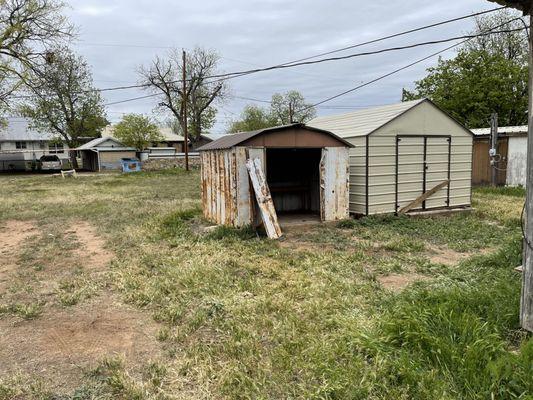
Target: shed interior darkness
{"x": 293, "y": 176}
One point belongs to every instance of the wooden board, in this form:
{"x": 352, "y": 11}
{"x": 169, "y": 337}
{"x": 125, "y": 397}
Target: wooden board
{"x": 424, "y": 197}
{"x": 264, "y": 199}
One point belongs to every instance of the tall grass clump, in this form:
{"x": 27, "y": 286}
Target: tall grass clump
{"x": 459, "y": 328}
{"x": 178, "y": 223}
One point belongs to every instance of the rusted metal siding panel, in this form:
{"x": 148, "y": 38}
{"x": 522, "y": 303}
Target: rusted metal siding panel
{"x": 260, "y": 153}
{"x": 244, "y": 203}
{"x": 334, "y": 183}
{"x": 220, "y": 186}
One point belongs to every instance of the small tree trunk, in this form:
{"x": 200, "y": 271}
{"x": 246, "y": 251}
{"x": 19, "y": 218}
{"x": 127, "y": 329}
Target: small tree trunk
{"x": 73, "y": 159}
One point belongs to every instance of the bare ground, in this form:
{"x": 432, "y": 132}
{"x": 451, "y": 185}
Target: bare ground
{"x": 13, "y": 234}
{"x": 397, "y": 282}
{"x": 63, "y": 342}
{"x": 61, "y": 345}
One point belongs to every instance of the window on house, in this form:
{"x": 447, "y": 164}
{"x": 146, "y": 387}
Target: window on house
{"x": 56, "y": 148}
{"x": 42, "y": 145}
{"x": 20, "y": 145}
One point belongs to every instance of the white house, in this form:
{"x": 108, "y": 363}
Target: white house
{"x": 21, "y": 146}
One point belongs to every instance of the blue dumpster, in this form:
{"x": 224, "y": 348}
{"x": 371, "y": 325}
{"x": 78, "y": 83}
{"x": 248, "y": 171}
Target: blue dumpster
{"x": 130, "y": 165}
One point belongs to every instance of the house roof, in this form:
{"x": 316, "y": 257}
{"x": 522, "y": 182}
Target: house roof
{"x": 170, "y": 136}
{"x": 232, "y": 140}
{"x": 363, "y": 122}
{"x": 212, "y": 136}
{"x": 19, "y": 129}
{"x": 104, "y": 143}
{"x": 167, "y": 133}
{"x": 502, "y": 130}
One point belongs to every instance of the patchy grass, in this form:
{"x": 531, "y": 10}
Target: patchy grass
{"x": 241, "y": 317}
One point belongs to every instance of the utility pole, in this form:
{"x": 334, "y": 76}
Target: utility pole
{"x": 184, "y": 111}
{"x": 291, "y": 113}
{"x": 493, "y": 152}
{"x": 526, "y": 300}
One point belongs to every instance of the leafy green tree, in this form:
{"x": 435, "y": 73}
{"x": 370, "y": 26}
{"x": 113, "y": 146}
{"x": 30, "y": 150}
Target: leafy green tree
{"x": 489, "y": 74}
{"x": 137, "y": 131}
{"x": 64, "y": 101}
{"x": 284, "y": 109}
{"x": 291, "y": 107}
{"x": 253, "y": 118}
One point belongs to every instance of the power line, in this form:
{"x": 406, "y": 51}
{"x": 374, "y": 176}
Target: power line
{"x": 406, "y": 66}
{"x": 300, "y": 62}
{"x": 132, "y": 99}
{"x": 467, "y": 37}
{"x": 232, "y": 75}
{"x": 395, "y": 35}
{"x": 367, "y": 53}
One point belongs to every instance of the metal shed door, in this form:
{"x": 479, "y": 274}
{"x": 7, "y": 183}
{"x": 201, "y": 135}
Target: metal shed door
{"x": 422, "y": 162}
{"x": 334, "y": 184}
{"x": 438, "y": 156}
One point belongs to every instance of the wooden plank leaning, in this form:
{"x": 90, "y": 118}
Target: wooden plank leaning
{"x": 419, "y": 200}
{"x": 264, "y": 199}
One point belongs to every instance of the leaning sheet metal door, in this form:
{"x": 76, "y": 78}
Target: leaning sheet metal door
{"x": 438, "y": 157}
{"x": 334, "y": 184}
{"x": 409, "y": 169}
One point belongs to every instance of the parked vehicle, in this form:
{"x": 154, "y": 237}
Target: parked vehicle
{"x": 50, "y": 163}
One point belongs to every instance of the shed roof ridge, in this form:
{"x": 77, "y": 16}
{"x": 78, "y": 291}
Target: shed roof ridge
{"x": 364, "y": 122}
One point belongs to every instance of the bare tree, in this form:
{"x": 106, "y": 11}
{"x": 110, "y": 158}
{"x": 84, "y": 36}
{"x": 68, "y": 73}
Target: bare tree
{"x": 511, "y": 45}
{"x": 28, "y": 29}
{"x": 163, "y": 76}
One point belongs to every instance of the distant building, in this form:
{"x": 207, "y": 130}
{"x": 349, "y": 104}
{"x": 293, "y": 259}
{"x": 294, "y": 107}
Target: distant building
{"x": 512, "y": 156}
{"x": 21, "y": 146}
{"x": 172, "y": 140}
{"x": 105, "y": 153}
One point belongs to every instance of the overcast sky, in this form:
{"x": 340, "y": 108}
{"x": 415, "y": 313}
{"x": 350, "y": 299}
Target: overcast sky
{"x": 116, "y": 37}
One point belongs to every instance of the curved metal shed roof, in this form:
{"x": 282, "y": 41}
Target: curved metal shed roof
{"x": 232, "y": 140}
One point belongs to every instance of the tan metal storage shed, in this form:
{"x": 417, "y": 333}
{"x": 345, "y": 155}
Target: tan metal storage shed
{"x": 104, "y": 153}
{"x": 401, "y": 152}
{"x": 306, "y": 170}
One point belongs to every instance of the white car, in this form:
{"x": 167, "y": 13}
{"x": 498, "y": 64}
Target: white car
{"x": 50, "y": 163}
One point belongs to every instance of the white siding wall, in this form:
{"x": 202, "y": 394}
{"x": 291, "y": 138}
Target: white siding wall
{"x": 11, "y": 157}
{"x": 424, "y": 119}
{"x": 517, "y": 161}
{"x": 358, "y": 175}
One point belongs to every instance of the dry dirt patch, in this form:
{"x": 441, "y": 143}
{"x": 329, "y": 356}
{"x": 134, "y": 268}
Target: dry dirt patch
{"x": 62, "y": 344}
{"x": 13, "y": 234}
{"x": 446, "y": 256}
{"x": 399, "y": 282}
{"x": 92, "y": 247}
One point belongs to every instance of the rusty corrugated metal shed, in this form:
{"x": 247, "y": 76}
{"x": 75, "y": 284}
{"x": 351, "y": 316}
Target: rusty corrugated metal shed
{"x": 236, "y": 139}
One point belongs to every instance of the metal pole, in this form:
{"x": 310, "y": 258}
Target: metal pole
{"x": 494, "y": 149}
{"x": 184, "y": 111}
{"x": 526, "y": 300}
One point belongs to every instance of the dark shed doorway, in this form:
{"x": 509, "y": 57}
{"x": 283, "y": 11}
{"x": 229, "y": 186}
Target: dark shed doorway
{"x": 293, "y": 176}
